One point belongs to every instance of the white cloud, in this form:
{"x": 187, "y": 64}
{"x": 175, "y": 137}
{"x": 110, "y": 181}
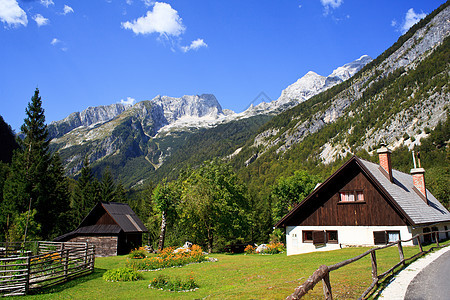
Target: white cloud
{"x": 129, "y": 101}
{"x": 55, "y": 41}
{"x": 411, "y": 18}
{"x": 47, "y": 3}
{"x": 195, "y": 45}
{"x": 129, "y": 2}
{"x": 148, "y": 2}
{"x": 394, "y": 23}
{"x": 67, "y": 9}
{"x": 12, "y": 14}
{"x": 40, "y": 20}
{"x": 327, "y": 4}
{"x": 163, "y": 20}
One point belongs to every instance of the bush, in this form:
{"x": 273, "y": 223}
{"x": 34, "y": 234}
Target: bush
{"x": 167, "y": 258}
{"x": 176, "y": 285}
{"x": 122, "y": 274}
{"x": 138, "y": 253}
{"x": 249, "y": 249}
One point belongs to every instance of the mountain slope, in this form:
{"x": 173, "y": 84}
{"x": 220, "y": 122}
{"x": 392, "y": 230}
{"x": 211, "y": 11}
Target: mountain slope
{"x": 398, "y": 98}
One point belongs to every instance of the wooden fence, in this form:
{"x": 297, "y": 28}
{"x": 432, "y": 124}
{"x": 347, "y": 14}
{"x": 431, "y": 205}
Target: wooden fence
{"x": 31, "y": 265}
{"x": 323, "y": 272}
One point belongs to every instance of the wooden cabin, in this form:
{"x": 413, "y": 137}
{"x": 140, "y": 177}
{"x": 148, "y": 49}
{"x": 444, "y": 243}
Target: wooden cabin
{"x": 113, "y": 228}
{"x": 364, "y": 204}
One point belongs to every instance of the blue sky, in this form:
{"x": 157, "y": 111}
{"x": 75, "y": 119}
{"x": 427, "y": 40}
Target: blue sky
{"x": 99, "y": 52}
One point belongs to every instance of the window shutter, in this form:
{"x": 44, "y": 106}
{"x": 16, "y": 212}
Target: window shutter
{"x": 379, "y": 237}
{"x": 318, "y": 237}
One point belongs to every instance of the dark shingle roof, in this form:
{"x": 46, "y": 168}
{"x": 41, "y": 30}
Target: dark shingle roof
{"x": 402, "y": 192}
{"x": 124, "y": 217}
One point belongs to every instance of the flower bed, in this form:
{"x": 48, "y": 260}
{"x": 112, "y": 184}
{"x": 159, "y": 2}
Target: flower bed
{"x": 167, "y": 258}
{"x": 272, "y": 248}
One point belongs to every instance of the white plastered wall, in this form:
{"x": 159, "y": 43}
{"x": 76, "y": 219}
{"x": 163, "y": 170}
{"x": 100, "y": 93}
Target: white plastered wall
{"x": 440, "y": 226}
{"x": 347, "y": 236}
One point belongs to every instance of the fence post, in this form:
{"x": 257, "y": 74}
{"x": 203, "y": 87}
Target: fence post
{"x": 327, "y": 287}
{"x": 373, "y": 256}
{"x": 400, "y": 252}
{"x": 27, "y": 282}
{"x": 420, "y": 244}
{"x": 65, "y": 254}
{"x": 436, "y": 236}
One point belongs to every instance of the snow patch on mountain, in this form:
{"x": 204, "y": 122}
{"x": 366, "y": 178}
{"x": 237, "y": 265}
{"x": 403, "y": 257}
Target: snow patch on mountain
{"x": 310, "y": 85}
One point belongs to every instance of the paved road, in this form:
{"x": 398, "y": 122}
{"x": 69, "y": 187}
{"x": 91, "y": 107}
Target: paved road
{"x": 433, "y": 282}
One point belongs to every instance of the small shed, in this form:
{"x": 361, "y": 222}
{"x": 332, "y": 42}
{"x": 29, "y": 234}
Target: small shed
{"x": 112, "y": 227}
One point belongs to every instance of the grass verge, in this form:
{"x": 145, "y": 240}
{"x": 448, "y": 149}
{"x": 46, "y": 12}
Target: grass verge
{"x": 235, "y": 277}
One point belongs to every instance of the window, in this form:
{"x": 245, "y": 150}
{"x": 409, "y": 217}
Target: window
{"x": 393, "y": 236}
{"x": 385, "y": 237}
{"x": 307, "y": 236}
{"x": 359, "y": 196}
{"x": 379, "y": 237}
{"x": 433, "y": 236}
{"x": 351, "y": 196}
{"x": 320, "y": 237}
{"x": 332, "y": 236}
{"x": 347, "y": 196}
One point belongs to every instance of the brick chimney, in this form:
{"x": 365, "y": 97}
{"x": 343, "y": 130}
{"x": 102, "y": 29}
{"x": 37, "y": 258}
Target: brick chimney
{"x": 384, "y": 156}
{"x": 418, "y": 175}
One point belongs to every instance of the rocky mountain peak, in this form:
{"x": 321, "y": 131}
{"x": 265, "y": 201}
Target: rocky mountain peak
{"x": 88, "y": 117}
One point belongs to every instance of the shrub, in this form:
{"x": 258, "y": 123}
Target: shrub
{"x": 176, "y": 285}
{"x": 167, "y": 258}
{"x": 274, "y": 248}
{"x": 122, "y": 274}
{"x": 249, "y": 249}
{"x": 138, "y": 253}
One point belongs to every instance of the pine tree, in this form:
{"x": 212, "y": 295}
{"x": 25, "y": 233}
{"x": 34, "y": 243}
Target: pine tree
{"x": 36, "y": 177}
{"x": 85, "y": 195}
{"x": 107, "y": 187}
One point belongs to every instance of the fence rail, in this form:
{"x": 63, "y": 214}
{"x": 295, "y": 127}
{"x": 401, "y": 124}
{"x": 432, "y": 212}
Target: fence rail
{"x": 32, "y": 265}
{"x": 323, "y": 272}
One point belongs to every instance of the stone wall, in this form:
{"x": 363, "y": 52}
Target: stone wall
{"x": 104, "y": 245}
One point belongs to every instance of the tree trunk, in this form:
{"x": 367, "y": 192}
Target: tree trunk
{"x": 210, "y": 240}
{"x": 162, "y": 234}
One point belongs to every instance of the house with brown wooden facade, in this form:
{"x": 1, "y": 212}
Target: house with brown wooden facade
{"x": 112, "y": 227}
{"x": 364, "y": 204}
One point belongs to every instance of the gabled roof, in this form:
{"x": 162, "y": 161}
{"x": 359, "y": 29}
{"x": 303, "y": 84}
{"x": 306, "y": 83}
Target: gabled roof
{"x": 400, "y": 193}
{"x": 124, "y": 216}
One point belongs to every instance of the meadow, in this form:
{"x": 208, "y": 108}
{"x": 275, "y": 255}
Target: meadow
{"x": 235, "y": 276}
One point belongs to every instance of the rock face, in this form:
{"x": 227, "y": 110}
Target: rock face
{"x": 103, "y": 131}
{"x": 162, "y": 110}
{"x": 404, "y": 120}
{"x": 88, "y": 117}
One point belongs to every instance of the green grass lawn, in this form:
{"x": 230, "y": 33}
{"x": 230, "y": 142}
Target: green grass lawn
{"x": 235, "y": 277}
